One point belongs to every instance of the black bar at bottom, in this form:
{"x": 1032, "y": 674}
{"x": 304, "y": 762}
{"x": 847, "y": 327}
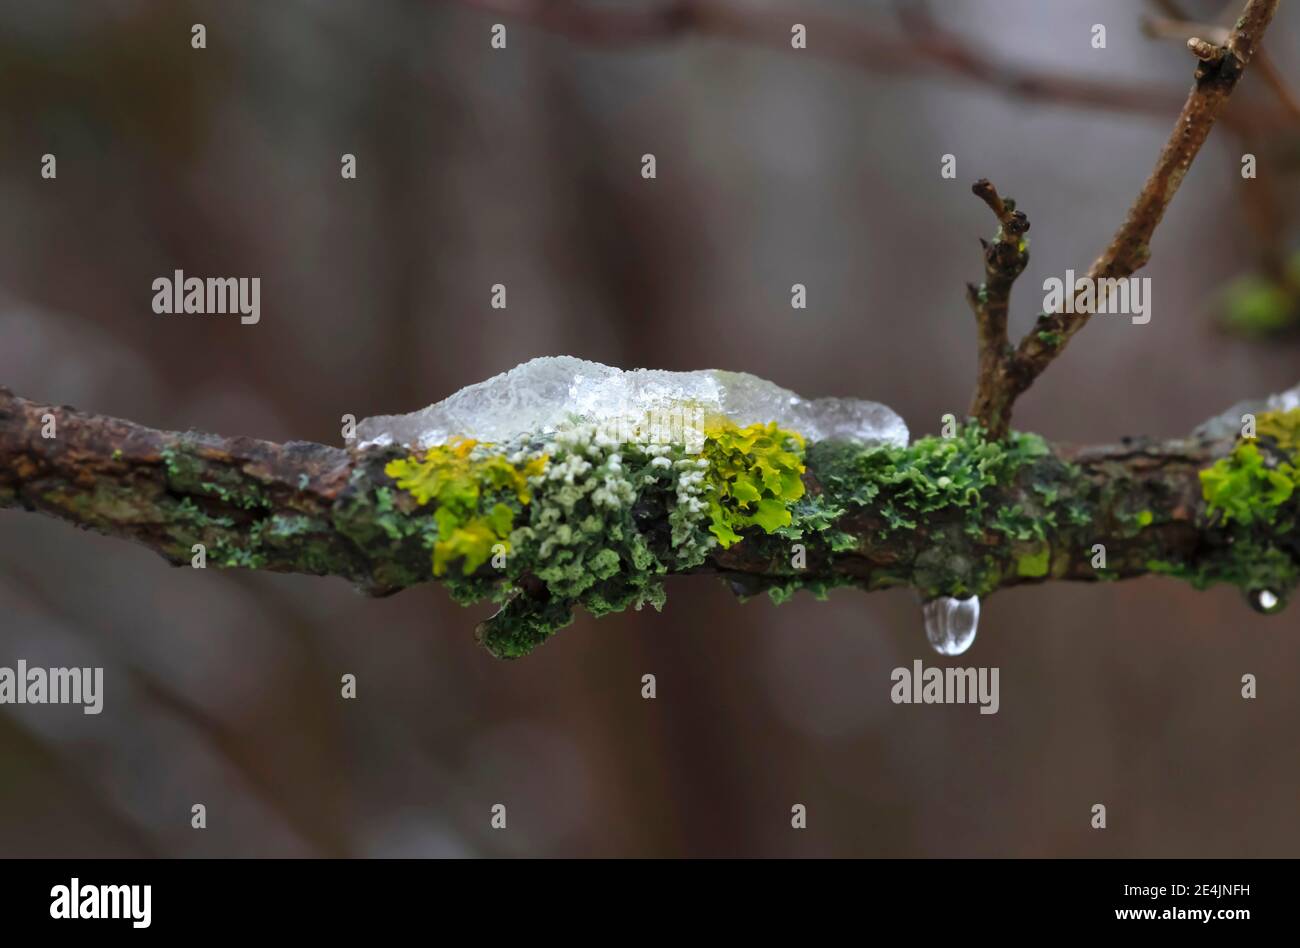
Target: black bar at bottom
{"x": 554, "y": 898}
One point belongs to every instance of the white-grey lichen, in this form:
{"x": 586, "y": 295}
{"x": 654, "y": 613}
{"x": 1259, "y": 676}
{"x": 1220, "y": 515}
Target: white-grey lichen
{"x": 581, "y": 523}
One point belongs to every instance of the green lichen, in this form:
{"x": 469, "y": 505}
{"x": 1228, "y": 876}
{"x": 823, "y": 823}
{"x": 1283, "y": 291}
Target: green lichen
{"x": 250, "y": 498}
{"x": 397, "y": 532}
{"x": 172, "y": 461}
{"x": 1252, "y": 499}
{"x": 814, "y": 514}
{"x": 1247, "y": 564}
{"x": 522, "y": 624}
{"x": 305, "y": 540}
{"x": 230, "y": 555}
{"x": 187, "y": 473}
{"x": 983, "y": 505}
{"x": 1015, "y": 523}
{"x": 782, "y": 591}
{"x": 932, "y": 475}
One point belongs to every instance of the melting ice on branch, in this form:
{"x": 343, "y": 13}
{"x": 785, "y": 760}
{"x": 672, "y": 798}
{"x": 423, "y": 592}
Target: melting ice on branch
{"x": 548, "y": 394}
{"x": 1227, "y": 424}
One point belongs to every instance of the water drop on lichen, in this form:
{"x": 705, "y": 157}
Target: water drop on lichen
{"x": 951, "y": 623}
{"x": 1265, "y": 601}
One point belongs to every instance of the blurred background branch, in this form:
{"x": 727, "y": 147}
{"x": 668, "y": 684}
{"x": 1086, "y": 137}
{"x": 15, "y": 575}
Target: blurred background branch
{"x": 925, "y": 48}
{"x": 1178, "y": 26}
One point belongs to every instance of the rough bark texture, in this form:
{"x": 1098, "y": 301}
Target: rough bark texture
{"x": 301, "y": 508}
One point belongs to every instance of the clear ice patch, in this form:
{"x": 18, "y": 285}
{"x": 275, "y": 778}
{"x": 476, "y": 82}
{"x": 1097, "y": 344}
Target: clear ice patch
{"x": 545, "y": 395}
{"x": 1227, "y": 424}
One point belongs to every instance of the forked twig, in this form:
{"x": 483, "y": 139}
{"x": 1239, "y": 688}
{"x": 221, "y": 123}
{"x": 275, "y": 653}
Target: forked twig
{"x": 1217, "y": 74}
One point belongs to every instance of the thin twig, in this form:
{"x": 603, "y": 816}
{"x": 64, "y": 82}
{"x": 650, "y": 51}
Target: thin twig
{"x": 1178, "y": 27}
{"x": 1005, "y": 259}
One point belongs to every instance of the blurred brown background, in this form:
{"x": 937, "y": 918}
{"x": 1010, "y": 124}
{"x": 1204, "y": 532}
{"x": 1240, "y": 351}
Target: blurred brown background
{"x": 522, "y": 167}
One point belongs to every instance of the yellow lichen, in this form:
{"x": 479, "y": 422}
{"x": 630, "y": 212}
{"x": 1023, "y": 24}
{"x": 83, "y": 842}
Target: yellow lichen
{"x": 755, "y": 474}
{"x": 1283, "y": 427}
{"x": 461, "y": 485}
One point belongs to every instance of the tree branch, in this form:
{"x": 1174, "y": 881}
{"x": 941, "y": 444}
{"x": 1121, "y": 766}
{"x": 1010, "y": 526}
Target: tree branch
{"x": 1217, "y": 75}
{"x": 305, "y": 508}
{"x": 168, "y": 491}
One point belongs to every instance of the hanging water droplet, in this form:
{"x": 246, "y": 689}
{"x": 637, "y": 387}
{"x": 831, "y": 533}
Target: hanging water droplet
{"x": 1265, "y": 601}
{"x": 951, "y": 623}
